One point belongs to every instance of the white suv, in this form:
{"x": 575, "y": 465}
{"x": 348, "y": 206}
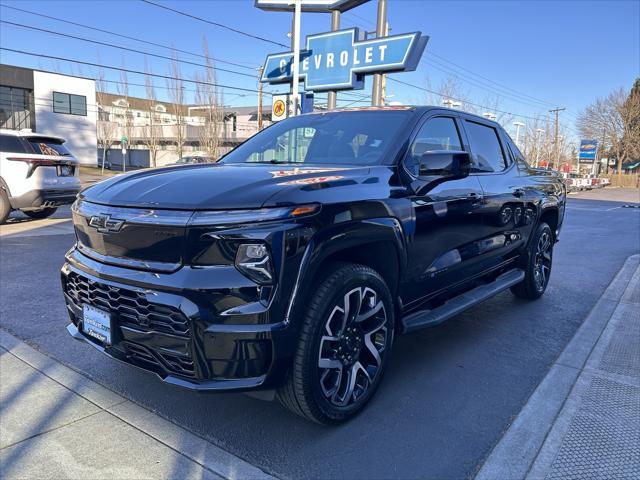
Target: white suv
{"x": 37, "y": 174}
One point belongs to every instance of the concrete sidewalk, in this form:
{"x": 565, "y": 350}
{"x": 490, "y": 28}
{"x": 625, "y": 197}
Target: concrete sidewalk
{"x": 57, "y": 423}
{"x": 583, "y": 420}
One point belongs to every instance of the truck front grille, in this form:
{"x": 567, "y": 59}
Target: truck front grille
{"x": 132, "y": 308}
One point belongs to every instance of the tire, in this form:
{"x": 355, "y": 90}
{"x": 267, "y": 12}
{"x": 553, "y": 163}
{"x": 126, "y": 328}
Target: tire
{"x": 538, "y": 265}
{"x": 5, "y": 206}
{"x": 340, "y": 360}
{"x": 39, "y": 214}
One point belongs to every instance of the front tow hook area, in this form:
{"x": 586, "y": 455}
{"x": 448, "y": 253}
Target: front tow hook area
{"x": 75, "y": 333}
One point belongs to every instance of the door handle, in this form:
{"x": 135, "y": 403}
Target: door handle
{"x": 518, "y": 192}
{"x": 474, "y": 197}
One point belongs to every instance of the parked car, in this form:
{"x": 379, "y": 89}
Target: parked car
{"x": 293, "y": 264}
{"x": 38, "y": 174}
{"x": 194, "y": 159}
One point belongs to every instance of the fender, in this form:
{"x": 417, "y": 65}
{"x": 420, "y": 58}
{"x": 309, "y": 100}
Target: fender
{"x": 340, "y": 237}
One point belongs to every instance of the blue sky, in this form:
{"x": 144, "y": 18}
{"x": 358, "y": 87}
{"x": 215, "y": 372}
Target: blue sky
{"x": 564, "y": 53}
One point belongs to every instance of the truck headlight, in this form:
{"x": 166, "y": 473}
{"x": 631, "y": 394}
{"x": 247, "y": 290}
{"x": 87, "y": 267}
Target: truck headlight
{"x": 254, "y": 261}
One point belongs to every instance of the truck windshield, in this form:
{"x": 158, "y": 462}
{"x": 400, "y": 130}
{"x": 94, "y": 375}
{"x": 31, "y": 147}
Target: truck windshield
{"x": 357, "y": 137}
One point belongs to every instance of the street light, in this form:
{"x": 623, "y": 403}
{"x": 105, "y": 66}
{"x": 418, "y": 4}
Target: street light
{"x": 490, "y": 116}
{"x": 539, "y": 132}
{"x": 518, "y": 125}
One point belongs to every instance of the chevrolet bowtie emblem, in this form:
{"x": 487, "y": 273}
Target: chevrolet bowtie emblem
{"x": 104, "y": 223}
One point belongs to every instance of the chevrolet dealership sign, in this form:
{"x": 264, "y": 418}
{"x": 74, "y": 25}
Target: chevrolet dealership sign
{"x": 337, "y": 61}
{"x": 309, "y": 5}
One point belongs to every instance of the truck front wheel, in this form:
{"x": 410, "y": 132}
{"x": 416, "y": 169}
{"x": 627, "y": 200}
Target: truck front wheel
{"x": 344, "y": 346}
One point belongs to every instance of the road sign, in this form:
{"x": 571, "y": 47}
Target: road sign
{"x": 588, "y": 149}
{"x": 279, "y": 107}
{"x": 309, "y": 5}
{"x": 337, "y": 61}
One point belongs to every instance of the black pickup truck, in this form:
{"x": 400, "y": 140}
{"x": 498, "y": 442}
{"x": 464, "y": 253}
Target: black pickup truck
{"x": 289, "y": 267}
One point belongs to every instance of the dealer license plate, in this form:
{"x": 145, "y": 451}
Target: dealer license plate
{"x": 65, "y": 170}
{"x": 96, "y": 323}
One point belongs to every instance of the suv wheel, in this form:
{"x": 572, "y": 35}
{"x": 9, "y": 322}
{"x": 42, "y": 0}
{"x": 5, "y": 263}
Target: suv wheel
{"x": 538, "y": 266}
{"x": 5, "y": 206}
{"x": 344, "y": 346}
{"x": 39, "y": 214}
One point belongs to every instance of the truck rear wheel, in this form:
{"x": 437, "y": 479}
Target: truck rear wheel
{"x": 5, "y": 206}
{"x": 344, "y": 346}
{"x": 538, "y": 265}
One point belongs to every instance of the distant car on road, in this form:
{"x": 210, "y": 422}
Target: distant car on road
{"x": 194, "y": 160}
{"x": 293, "y": 263}
{"x": 37, "y": 174}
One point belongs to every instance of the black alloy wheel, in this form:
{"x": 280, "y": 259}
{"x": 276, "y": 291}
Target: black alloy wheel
{"x": 538, "y": 265}
{"x": 344, "y": 346}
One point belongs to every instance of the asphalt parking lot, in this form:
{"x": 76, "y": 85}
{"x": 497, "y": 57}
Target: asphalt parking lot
{"x": 449, "y": 394}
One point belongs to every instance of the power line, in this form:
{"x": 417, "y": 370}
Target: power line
{"x": 461, "y": 100}
{"x": 485, "y": 86}
{"x": 122, "y": 69}
{"x": 220, "y": 25}
{"x": 219, "y": 60}
{"x": 111, "y": 45}
{"x": 430, "y": 52}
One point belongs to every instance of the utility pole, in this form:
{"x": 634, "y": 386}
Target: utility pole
{"x": 332, "y": 97}
{"x": 376, "y": 92}
{"x": 383, "y": 94}
{"x": 556, "y": 146}
{"x": 295, "y": 100}
{"x": 260, "y": 98}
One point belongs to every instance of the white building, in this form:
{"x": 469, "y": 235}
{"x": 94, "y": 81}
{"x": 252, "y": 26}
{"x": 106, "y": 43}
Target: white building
{"x": 51, "y": 103}
{"x": 69, "y": 107}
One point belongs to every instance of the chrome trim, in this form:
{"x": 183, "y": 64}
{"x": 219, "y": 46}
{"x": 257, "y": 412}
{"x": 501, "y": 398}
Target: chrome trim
{"x": 296, "y": 285}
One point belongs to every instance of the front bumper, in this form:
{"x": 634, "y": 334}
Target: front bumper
{"x": 44, "y": 198}
{"x": 206, "y": 329}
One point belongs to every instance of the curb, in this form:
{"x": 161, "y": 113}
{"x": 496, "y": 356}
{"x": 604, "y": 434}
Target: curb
{"x": 515, "y": 453}
{"x": 187, "y": 444}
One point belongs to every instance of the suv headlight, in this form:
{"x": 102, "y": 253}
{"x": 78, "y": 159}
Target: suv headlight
{"x": 254, "y": 261}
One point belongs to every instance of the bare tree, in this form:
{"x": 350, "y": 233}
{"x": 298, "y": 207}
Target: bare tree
{"x": 152, "y": 129}
{"x": 126, "y": 124}
{"x": 105, "y": 127}
{"x": 209, "y": 98}
{"x": 616, "y": 119}
{"x": 175, "y": 86}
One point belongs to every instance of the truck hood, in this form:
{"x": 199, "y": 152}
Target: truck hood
{"x": 221, "y": 187}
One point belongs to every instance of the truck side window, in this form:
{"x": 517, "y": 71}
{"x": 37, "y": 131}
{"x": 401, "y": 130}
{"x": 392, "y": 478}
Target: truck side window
{"x": 517, "y": 154}
{"x": 438, "y": 133}
{"x": 485, "y": 147}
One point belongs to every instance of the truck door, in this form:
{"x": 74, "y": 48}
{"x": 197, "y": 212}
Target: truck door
{"x": 447, "y": 216}
{"x": 506, "y": 215}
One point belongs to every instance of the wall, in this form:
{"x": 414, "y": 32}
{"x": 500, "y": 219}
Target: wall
{"x": 78, "y": 130}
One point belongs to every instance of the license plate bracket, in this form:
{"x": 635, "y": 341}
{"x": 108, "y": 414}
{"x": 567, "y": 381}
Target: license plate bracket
{"x": 97, "y": 324}
{"x": 65, "y": 170}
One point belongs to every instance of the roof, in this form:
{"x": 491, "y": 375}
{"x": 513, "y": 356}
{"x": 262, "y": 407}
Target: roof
{"x": 27, "y": 132}
{"x": 137, "y": 103}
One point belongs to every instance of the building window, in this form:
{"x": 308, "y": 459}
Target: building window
{"x": 16, "y": 108}
{"x": 69, "y": 104}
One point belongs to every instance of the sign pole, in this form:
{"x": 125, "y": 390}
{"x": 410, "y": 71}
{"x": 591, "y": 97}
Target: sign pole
{"x": 376, "y": 92}
{"x": 332, "y": 96}
{"x": 295, "y": 85}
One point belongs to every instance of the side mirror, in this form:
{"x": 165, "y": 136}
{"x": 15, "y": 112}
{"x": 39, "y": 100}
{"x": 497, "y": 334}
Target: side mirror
{"x": 447, "y": 164}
